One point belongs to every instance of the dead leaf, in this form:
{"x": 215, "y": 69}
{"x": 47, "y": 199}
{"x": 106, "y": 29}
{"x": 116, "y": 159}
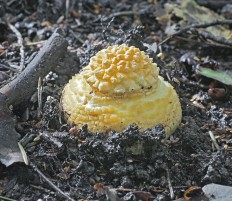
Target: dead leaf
{"x": 9, "y": 149}
{"x": 3, "y": 76}
{"x": 142, "y": 195}
{"x": 189, "y": 12}
{"x": 111, "y": 193}
{"x": 100, "y": 188}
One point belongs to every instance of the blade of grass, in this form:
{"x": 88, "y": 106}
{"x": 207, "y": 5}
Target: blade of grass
{"x": 24, "y": 154}
{"x": 5, "y": 198}
{"x": 221, "y": 76}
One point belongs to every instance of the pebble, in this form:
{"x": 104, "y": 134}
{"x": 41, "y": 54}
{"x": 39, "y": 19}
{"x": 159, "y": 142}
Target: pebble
{"x": 216, "y": 192}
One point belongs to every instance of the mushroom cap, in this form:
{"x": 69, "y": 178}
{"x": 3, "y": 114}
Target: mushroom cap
{"x": 121, "y": 86}
{"x": 120, "y": 70}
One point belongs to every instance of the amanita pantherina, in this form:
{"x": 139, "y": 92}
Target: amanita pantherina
{"x": 120, "y": 86}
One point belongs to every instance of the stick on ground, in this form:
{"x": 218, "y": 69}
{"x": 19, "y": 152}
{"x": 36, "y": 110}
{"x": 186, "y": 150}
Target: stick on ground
{"x": 48, "y": 181}
{"x": 203, "y": 25}
{"x": 20, "y": 42}
{"x": 22, "y": 88}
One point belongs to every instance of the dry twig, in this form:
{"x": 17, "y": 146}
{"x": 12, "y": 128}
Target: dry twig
{"x": 217, "y": 39}
{"x": 214, "y": 140}
{"x": 67, "y": 4}
{"x": 39, "y": 92}
{"x": 36, "y": 169}
{"x": 125, "y": 13}
{"x": 9, "y": 68}
{"x": 20, "y": 42}
{"x": 170, "y": 184}
{"x": 203, "y": 25}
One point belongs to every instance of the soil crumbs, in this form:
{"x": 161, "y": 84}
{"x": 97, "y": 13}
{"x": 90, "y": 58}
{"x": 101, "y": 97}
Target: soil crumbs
{"x": 131, "y": 165}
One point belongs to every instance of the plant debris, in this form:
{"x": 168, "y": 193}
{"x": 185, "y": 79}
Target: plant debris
{"x": 224, "y": 77}
{"x": 9, "y": 150}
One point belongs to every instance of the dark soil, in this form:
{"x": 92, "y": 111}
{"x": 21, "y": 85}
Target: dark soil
{"x": 131, "y": 162}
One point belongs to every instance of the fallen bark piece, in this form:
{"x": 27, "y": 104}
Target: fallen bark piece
{"x": 216, "y": 192}
{"x": 21, "y": 89}
{"x": 9, "y": 150}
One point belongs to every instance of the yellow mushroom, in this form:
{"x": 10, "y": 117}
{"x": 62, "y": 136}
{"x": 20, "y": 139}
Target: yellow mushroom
{"x": 120, "y": 86}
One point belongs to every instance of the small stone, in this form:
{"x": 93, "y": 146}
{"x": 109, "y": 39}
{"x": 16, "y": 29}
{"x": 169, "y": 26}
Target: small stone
{"x": 216, "y": 192}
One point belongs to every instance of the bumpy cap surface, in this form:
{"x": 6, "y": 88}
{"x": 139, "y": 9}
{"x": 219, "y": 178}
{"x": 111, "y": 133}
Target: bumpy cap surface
{"x": 121, "y": 70}
{"x": 121, "y": 86}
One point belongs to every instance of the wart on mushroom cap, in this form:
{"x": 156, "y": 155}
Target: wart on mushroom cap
{"x": 121, "y": 86}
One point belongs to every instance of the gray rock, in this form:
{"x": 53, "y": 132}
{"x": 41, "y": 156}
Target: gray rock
{"x": 215, "y": 192}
